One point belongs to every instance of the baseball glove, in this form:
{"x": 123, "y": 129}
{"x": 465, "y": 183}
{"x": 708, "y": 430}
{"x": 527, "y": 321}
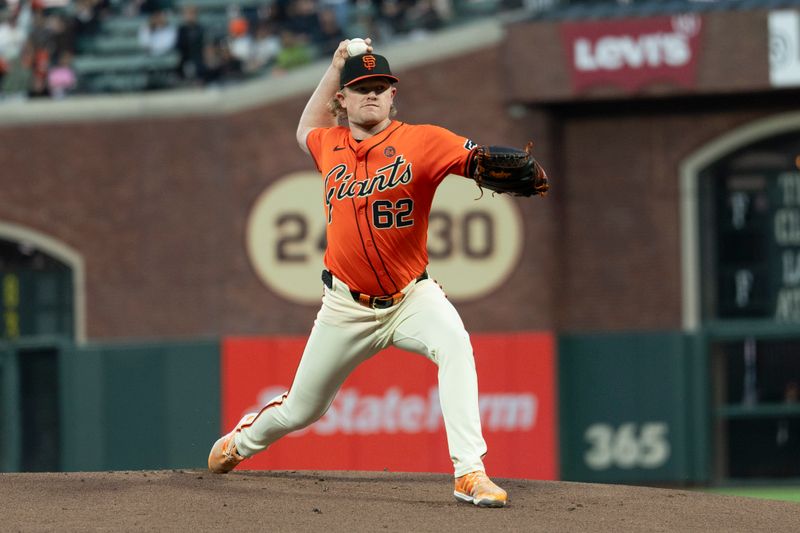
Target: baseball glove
{"x": 508, "y": 171}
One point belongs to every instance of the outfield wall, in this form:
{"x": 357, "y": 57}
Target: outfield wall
{"x": 125, "y": 406}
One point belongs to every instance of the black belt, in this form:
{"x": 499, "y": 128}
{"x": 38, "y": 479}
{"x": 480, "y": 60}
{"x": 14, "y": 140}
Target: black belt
{"x": 374, "y": 302}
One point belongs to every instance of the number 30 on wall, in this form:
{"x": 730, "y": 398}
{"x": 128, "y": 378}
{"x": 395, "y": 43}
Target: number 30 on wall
{"x": 627, "y": 446}
{"x": 473, "y": 246}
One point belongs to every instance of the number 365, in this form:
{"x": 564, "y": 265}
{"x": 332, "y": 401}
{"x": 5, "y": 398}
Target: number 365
{"x": 625, "y": 447}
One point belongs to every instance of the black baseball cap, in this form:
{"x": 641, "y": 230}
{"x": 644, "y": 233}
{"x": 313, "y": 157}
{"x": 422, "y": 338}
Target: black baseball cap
{"x": 365, "y": 66}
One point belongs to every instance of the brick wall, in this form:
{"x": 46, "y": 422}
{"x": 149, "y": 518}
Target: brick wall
{"x": 158, "y": 207}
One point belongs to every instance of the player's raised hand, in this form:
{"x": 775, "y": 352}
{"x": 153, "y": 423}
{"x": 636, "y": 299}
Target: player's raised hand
{"x": 341, "y": 54}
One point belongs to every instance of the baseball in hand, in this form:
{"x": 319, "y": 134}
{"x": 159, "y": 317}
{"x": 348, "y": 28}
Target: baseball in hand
{"x": 356, "y": 47}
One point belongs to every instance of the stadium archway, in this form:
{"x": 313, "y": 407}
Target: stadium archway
{"x": 42, "y": 286}
{"x": 760, "y": 141}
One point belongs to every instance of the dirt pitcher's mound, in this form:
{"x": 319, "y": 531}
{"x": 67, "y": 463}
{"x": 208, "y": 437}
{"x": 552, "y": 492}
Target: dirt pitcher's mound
{"x": 195, "y": 500}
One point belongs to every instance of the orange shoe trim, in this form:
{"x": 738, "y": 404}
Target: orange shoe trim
{"x": 490, "y": 494}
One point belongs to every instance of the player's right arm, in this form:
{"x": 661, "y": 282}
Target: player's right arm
{"x": 316, "y": 113}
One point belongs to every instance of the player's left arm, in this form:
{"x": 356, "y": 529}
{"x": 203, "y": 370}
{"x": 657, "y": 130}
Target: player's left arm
{"x": 498, "y": 168}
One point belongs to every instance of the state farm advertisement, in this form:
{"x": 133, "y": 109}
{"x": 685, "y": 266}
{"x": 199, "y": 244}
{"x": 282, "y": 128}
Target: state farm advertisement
{"x": 387, "y": 414}
{"x": 633, "y": 53}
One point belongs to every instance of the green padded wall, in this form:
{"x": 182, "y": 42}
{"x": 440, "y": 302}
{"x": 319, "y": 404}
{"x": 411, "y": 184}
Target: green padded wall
{"x": 633, "y": 408}
{"x": 140, "y": 406}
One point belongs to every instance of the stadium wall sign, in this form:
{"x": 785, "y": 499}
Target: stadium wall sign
{"x": 387, "y": 414}
{"x": 633, "y": 53}
{"x": 784, "y": 48}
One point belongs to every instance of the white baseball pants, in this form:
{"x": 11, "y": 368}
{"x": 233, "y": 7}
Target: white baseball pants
{"x": 345, "y": 334}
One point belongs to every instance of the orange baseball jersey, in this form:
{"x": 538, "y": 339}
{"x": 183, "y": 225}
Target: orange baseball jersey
{"x": 378, "y": 195}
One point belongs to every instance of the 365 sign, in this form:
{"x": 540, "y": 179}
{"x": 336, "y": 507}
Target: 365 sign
{"x": 630, "y": 445}
{"x": 633, "y": 53}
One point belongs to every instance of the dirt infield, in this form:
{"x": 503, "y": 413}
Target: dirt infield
{"x": 194, "y": 500}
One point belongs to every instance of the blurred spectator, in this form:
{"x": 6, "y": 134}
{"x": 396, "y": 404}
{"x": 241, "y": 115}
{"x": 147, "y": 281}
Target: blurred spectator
{"x": 4, "y": 68}
{"x": 446, "y": 12}
{"x": 331, "y": 33}
{"x": 362, "y": 21}
{"x": 148, "y": 7}
{"x": 220, "y": 65}
{"x": 40, "y": 33}
{"x": 279, "y": 12}
{"x": 269, "y": 13}
{"x": 61, "y": 78}
{"x": 213, "y": 61}
{"x": 40, "y": 38}
{"x": 62, "y": 31}
{"x": 190, "y": 45}
{"x": 14, "y": 27}
{"x": 340, "y": 8}
{"x": 6, "y": 39}
{"x": 103, "y": 8}
{"x": 14, "y": 85}
{"x": 303, "y": 20}
{"x": 295, "y": 52}
{"x": 266, "y": 47}
{"x": 38, "y": 85}
{"x": 158, "y": 35}
{"x": 86, "y": 22}
{"x": 422, "y": 18}
{"x": 391, "y": 17}
{"x": 240, "y": 43}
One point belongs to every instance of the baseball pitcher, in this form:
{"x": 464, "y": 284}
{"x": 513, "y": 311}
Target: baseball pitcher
{"x": 379, "y": 176}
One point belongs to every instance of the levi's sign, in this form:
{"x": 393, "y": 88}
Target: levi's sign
{"x": 632, "y": 54}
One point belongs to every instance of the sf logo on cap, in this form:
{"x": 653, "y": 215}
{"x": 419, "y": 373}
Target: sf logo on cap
{"x": 369, "y": 62}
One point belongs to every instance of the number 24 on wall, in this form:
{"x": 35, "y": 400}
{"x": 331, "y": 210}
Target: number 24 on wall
{"x": 626, "y": 448}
